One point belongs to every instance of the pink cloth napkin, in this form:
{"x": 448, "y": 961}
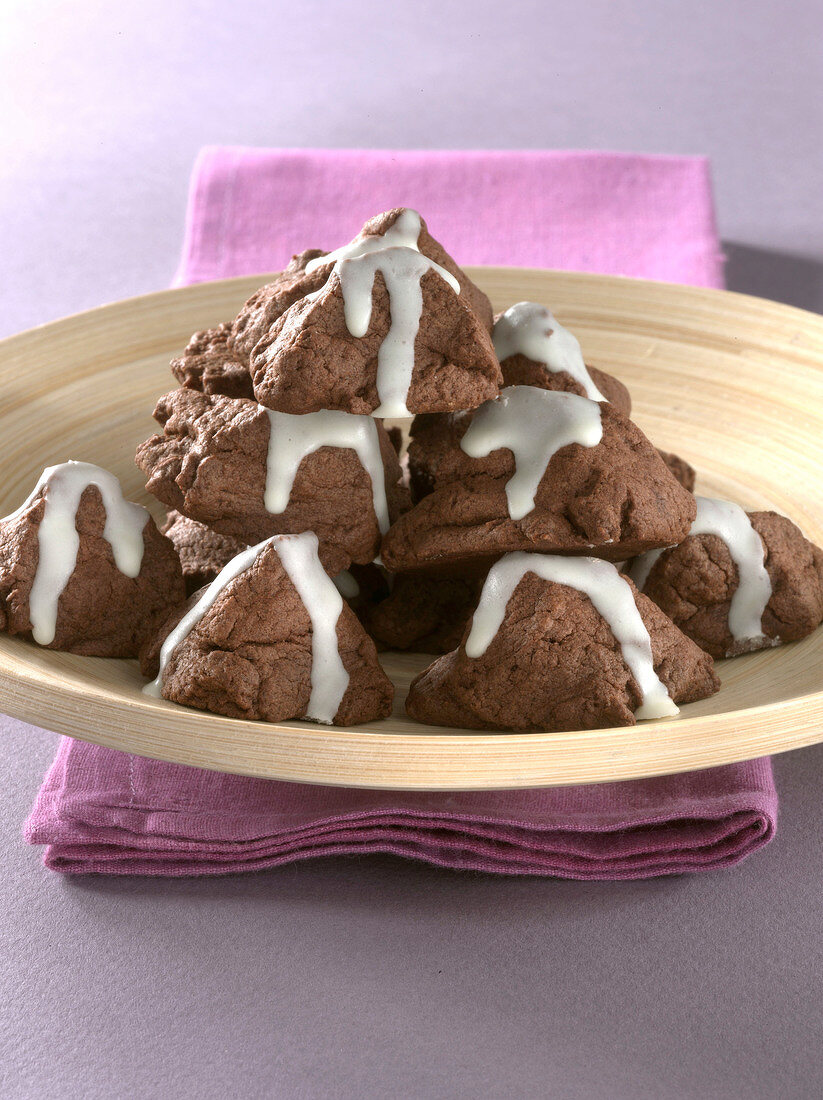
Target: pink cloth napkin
{"x": 250, "y": 210}
{"x": 106, "y": 811}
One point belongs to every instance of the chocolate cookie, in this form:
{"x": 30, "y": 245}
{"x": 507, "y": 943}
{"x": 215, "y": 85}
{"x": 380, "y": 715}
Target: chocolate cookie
{"x": 249, "y": 473}
{"x": 82, "y": 569}
{"x": 739, "y": 582}
{"x": 271, "y": 639}
{"x": 202, "y": 552}
{"x": 561, "y": 644}
{"x": 209, "y": 365}
{"x": 680, "y": 469}
{"x": 537, "y": 470}
{"x": 272, "y": 300}
{"x": 534, "y": 349}
{"x": 423, "y": 456}
{"x": 423, "y": 613}
{"x": 387, "y": 335}
{"x": 305, "y": 275}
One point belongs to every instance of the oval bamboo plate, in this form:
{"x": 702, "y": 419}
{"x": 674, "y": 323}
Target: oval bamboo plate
{"x": 735, "y": 384}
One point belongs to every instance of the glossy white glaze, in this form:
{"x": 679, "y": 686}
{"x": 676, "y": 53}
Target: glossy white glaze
{"x": 532, "y": 330}
{"x": 402, "y": 270}
{"x": 403, "y": 234}
{"x": 533, "y": 424}
{"x": 730, "y": 523}
{"x": 323, "y": 602}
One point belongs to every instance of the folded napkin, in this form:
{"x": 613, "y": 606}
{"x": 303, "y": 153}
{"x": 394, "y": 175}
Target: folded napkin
{"x": 105, "y": 811}
{"x": 250, "y": 210}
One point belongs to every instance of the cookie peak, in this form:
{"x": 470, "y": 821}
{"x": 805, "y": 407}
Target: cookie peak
{"x": 292, "y": 437}
{"x": 543, "y": 470}
{"x": 403, "y": 232}
{"x": 402, "y": 270}
{"x": 532, "y": 330}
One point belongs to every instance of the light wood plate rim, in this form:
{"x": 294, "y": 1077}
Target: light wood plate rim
{"x": 39, "y": 686}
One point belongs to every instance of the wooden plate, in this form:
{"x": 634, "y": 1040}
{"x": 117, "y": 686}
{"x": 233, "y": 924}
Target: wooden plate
{"x": 734, "y": 384}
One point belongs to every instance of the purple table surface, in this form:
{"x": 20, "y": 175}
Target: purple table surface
{"x": 378, "y": 978}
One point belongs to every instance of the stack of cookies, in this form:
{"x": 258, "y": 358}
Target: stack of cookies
{"x": 307, "y": 539}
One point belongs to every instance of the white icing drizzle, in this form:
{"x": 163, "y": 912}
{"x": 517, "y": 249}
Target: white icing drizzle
{"x": 403, "y": 234}
{"x": 730, "y": 523}
{"x": 346, "y": 585}
{"x": 402, "y": 270}
{"x": 396, "y": 255}
{"x": 612, "y": 598}
{"x": 534, "y": 424}
{"x": 532, "y": 330}
{"x": 322, "y": 601}
{"x": 293, "y": 437}
{"x": 643, "y": 564}
{"x": 62, "y": 487}
{"x": 316, "y": 589}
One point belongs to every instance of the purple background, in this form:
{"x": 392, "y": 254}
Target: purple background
{"x": 362, "y": 978}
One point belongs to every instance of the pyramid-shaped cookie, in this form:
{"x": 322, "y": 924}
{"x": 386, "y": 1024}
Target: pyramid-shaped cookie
{"x": 389, "y": 334}
{"x": 534, "y": 349}
{"x": 217, "y": 360}
{"x": 203, "y": 553}
{"x": 561, "y": 643}
{"x": 308, "y": 271}
{"x": 539, "y": 470}
{"x": 740, "y": 581}
{"x": 82, "y": 569}
{"x": 271, "y": 639}
{"x": 249, "y": 472}
{"x": 209, "y": 365}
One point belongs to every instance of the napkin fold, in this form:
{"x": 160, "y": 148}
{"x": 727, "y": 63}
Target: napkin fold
{"x": 105, "y": 811}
